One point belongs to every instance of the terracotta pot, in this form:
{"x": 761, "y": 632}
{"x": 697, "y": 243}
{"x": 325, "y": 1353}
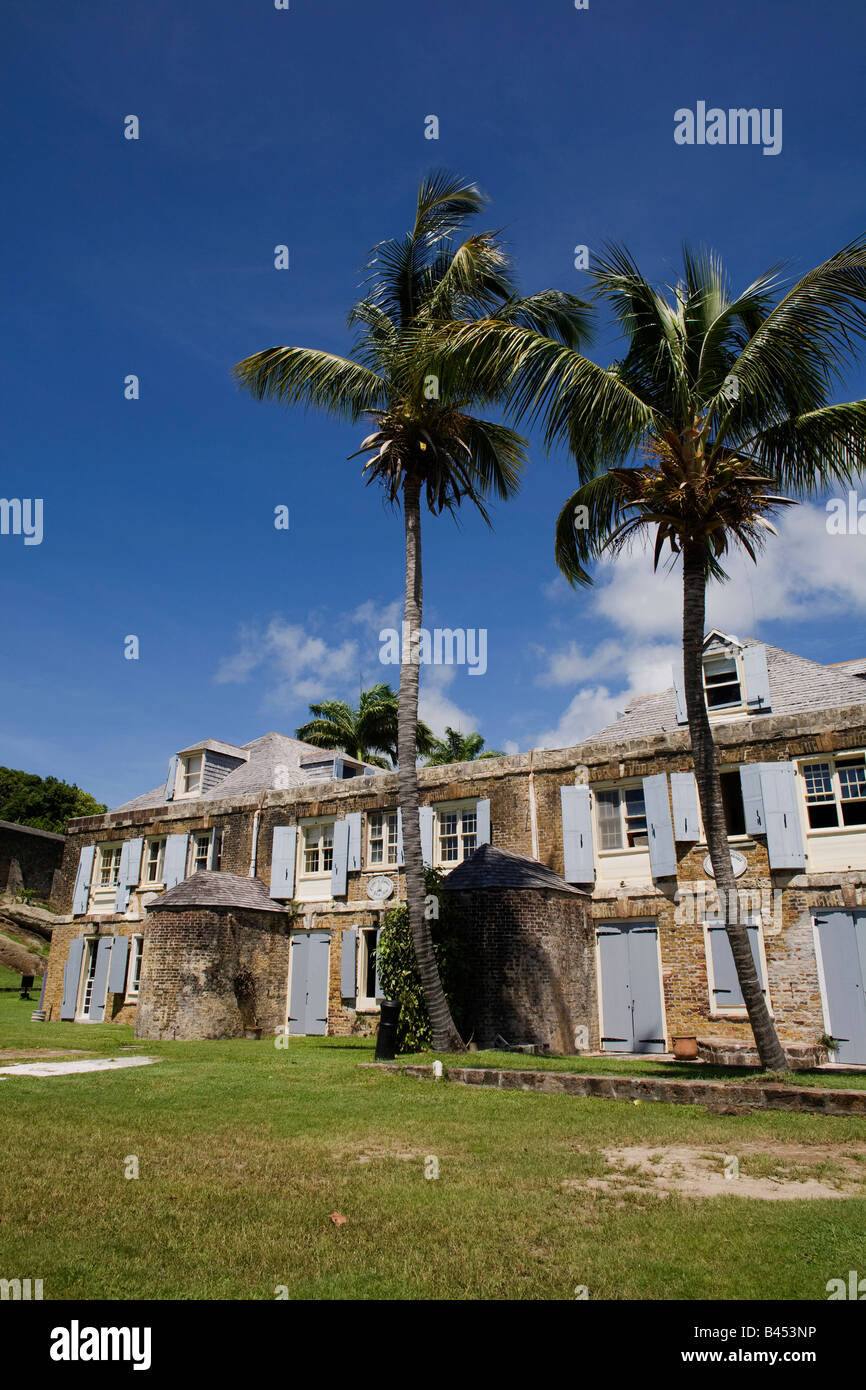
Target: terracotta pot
{"x": 254, "y": 1032}
{"x": 685, "y": 1047}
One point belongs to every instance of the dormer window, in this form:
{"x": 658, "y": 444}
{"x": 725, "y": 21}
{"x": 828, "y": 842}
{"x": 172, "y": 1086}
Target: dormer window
{"x": 190, "y": 774}
{"x": 722, "y": 682}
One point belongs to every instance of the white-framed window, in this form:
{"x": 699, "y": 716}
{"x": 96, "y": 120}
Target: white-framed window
{"x": 621, "y": 818}
{"x": 382, "y": 840}
{"x": 367, "y": 969}
{"x": 317, "y": 849}
{"x": 200, "y": 851}
{"x": 108, "y": 871}
{"x": 154, "y": 860}
{"x": 190, "y": 774}
{"x": 835, "y": 791}
{"x": 455, "y": 833}
{"x": 133, "y": 977}
{"x": 723, "y": 685}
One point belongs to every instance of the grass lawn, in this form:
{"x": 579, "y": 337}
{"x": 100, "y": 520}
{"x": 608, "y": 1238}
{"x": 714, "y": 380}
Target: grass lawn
{"x": 244, "y": 1150}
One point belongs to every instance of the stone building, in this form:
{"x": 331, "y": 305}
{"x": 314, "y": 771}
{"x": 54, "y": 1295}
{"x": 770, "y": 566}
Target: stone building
{"x": 615, "y": 817}
{"x": 29, "y": 858}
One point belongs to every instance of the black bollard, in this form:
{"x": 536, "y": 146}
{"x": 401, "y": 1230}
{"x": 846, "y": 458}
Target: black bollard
{"x": 386, "y": 1038}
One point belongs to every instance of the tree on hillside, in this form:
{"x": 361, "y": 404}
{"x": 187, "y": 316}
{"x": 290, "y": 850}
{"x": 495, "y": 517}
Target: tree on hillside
{"x": 45, "y": 803}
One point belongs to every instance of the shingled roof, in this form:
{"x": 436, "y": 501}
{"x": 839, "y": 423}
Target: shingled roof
{"x": 208, "y": 888}
{"x": 797, "y": 686}
{"x": 274, "y": 760}
{"x": 490, "y": 867}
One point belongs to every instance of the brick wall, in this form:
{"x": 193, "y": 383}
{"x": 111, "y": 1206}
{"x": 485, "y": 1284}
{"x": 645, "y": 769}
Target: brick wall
{"x": 190, "y": 968}
{"x": 532, "y": 966}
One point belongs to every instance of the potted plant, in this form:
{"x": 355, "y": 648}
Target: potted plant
{"x": 685, "y": 1047}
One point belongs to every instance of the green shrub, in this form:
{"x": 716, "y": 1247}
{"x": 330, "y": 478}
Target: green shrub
{"x": 398, "y": 968}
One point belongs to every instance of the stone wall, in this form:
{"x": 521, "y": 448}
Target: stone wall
{"x": 29, "y": 858}
{"x": 192, "y": 960}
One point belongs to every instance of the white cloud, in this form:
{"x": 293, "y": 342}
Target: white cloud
{"x": 297, "y": 666}
{"x": 803, "y": 574}
{"x": 434, "y": 706}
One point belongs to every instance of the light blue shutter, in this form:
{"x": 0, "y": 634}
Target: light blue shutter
{"x": 100, "y": 980}
{"x": 756, "y": 678}
{"x": 338, "y": 769}
{"x": 400, "y": 858}
{"x": 340, "y": 859}
{"x": 616, "y": 1000}
{"x": 171, "y": 778}
{"x": 726, "y": 985}
{"x": 174, "y": 865}
{"x": 130, "y": 870}
{"x": 283, "y": 861}
{"x": 753, "y": 799}
{"x": 81, "y": 892}
{"x": 687, "y": 819}
{"x": 662, "y": 852}
{"x": 117, "y": 968}
{"x": 679, "y": 692}
{"x": 349, "y": 964}
{"x": 71, "y": 976}
{"x": 577, "y": 846}
{"x": 425, "y": 816}
{"x": 784, "y": 835}
{"x": 482, "y": 811}
{"x": 354, "y": 823}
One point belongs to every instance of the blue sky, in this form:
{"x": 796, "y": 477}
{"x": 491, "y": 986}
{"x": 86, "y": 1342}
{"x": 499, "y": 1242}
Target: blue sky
{"x": 155, "y": 257}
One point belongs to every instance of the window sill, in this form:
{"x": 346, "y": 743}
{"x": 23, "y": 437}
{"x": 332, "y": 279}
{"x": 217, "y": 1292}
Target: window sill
{"x": 828, "y": 830}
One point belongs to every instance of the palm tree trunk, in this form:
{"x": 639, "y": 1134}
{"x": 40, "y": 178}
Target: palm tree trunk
{"x": 710, "y": 794}
{"x": 445, "y": 1035}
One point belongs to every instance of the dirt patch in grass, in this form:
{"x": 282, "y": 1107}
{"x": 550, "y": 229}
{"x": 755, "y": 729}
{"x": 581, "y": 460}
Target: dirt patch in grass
{"x": 367, "y": 1153}
{"x": 695, "y": 1173}
{"x": 13, "y": 1054}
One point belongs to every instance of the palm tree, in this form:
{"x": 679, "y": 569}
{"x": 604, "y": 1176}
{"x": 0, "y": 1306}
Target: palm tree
{"x": 429, "y": 442}
{"x": 459, "y": 748}
{"x": 726, "y": 400}
{"x": 366, "y": 731}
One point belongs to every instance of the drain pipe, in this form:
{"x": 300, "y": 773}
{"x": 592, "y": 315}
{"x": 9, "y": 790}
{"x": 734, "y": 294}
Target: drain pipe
{"x": 533, "y": 809}
{"x": 256, "y": 818}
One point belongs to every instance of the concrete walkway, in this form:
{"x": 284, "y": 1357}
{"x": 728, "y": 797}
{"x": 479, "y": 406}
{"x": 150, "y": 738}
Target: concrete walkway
{"x": 68, "y": 1068}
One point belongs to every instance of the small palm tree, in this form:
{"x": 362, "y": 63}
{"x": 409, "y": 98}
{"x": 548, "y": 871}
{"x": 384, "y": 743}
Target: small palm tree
{"x": 726, "y": 400}
{"x": 429, "y": 441}
{"x": 367, "y": 731}
{"x": 459, "y": 748}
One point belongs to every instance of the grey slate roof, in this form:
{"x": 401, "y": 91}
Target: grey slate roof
{"x": 797, "y": 686}
{"x": 490, "y": 867}
{"x": 210, "y": 889}
{"x": 258, "y": 774}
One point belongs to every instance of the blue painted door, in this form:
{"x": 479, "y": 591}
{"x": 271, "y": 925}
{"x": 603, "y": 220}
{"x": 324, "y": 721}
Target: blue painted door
{"x": 842, "y": 936}
{"x": 631, "y": 998}
{"x": 308, "y": 997}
